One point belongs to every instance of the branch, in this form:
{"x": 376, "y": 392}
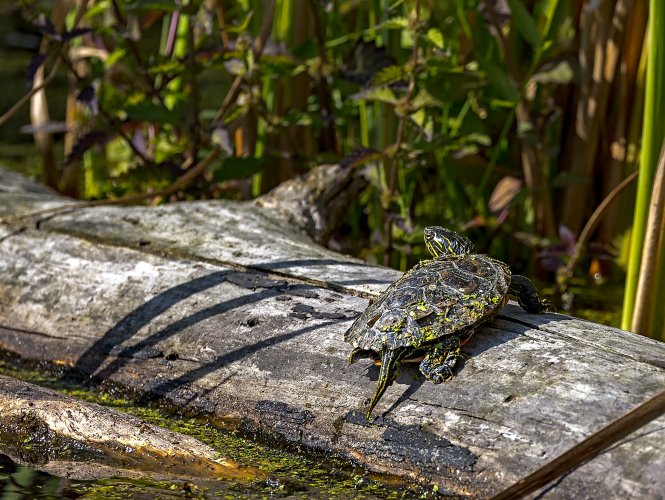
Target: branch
{"x": 587, "y": 449}
{"x": 26, "y": 98}
{"x": 589, "y": 228}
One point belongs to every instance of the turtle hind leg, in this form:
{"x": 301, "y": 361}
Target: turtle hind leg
{"x": 527, "y": 296}
{"x": 441, "y": 359}
{"x": 388, "y": 373}
{"x": 359, "y": 353}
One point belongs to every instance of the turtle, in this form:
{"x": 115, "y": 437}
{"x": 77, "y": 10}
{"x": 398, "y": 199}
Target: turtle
{"x": 434, "y": 308}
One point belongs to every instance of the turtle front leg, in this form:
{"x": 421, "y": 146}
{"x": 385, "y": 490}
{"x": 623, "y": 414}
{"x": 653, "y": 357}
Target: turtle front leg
{"x": 388, "y": 373}
{"x": 441, "y": 359}
{"x": 527, "y": 296}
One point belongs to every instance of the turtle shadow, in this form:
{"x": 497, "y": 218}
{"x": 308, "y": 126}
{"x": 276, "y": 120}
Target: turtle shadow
{"x": 501, "y": 330}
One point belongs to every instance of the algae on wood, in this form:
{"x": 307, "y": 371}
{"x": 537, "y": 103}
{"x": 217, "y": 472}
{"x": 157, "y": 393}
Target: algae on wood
{"x": 69, "y": 438}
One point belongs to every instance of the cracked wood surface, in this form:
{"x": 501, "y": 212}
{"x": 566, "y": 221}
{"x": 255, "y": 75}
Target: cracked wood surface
{"x": 223, "y": 307}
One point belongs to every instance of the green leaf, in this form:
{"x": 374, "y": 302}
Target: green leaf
{"x": 115, "y": 56}
{"x": 448, "y": 86}
{"x": 524, "y": 24}
{"x": 388, "y": 75}
{"x": 242, "y": 26}
{"x": 425, "y": 100}
{"x": 561, "y": 72}
{"x": 278, "y": 65}
{"x": 381, "y": 94}
{"x": 167, "y": 68}
{"x": 163, "y": 5}
{"x": 150, "y": 112}
{"x": 435, "y": 36}
{"x": 238, "y": 168}
{"x": 331, "y": 44}
{"x": 394, "y": 23}
{"x": 499, "y": 79}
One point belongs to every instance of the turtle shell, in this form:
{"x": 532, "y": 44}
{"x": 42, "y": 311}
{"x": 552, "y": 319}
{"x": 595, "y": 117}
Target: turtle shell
{"x": 443, "y": 296}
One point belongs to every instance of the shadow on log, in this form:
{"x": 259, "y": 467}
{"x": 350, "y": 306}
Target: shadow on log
{"x": 226, "y": 308}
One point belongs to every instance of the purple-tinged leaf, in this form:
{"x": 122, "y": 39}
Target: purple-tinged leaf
{"x": 221, "y": 138}
{"x": 139, "y": 142}
{"x": 88, "y": 97}
{"x": 45, "y": 26}
{"x": 550, "y": 263}
{"x": 567, "y": 238}
{"x": 34, "y": 65}
{"x": 75, "y": 32}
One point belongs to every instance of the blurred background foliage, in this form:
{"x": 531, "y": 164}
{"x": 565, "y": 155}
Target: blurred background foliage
{"x": 519, "y": 122}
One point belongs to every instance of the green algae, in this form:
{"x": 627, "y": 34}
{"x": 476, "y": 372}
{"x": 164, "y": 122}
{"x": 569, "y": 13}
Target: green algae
{"x": 290, "y": 474}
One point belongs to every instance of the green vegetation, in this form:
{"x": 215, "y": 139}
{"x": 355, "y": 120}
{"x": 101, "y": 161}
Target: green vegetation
{"x": 511, "y": 121}
{"x": 289, "y": 473}
{"x": 645, "y": 282}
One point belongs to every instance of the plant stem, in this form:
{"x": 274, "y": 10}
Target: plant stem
{"x": 653, "y": 132}
{"x": 647, "y": 288}
{"x": 392, "y": 181}
{"x": 26, "y": 98}
{"x": 589, "y": 228}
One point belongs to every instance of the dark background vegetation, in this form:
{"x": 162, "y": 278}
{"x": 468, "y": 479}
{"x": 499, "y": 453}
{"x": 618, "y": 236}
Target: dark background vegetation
{"x": 510, "y": 120}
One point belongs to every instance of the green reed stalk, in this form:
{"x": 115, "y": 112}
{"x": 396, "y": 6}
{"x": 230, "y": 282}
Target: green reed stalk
{"x": 653, "y": 132}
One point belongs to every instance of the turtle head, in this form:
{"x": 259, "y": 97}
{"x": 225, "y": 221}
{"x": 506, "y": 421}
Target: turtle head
{"x": 443, "y": 242}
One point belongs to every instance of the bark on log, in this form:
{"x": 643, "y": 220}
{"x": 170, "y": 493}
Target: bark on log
{"x": 224, "y": 307}
{"x": 68, "y": 438}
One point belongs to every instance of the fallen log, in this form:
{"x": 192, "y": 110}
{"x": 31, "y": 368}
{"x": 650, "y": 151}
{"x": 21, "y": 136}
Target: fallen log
{"x": 226, "y": 308}
{"x": 68, "y": 438}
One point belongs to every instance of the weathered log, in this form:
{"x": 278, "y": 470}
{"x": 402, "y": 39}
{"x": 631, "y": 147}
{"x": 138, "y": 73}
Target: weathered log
{"x": 69, "y": 438}
{"x": 226, "y": 308}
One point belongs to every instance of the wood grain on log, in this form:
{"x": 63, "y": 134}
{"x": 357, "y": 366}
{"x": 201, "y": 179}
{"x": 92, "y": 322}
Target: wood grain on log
{"x": 68, "y": 438}
{"x": 224, "y": 307}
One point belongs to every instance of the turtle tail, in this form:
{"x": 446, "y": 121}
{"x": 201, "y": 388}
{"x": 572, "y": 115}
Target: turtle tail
{"x": 389, "y": 372}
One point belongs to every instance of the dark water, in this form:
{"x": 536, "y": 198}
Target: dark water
{"x": 18, "y": 482}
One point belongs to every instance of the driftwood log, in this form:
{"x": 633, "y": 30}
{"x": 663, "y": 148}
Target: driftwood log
{"x": 78, "y": 440}
{"x": 228, "y": 308}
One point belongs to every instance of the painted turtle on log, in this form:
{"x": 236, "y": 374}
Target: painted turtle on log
{"x": 434, "y": 308}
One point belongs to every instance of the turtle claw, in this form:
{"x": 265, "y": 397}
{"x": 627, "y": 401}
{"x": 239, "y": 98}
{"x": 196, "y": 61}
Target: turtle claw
{"x": 547, "y": 306}
{"x": 439, "y": 362}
